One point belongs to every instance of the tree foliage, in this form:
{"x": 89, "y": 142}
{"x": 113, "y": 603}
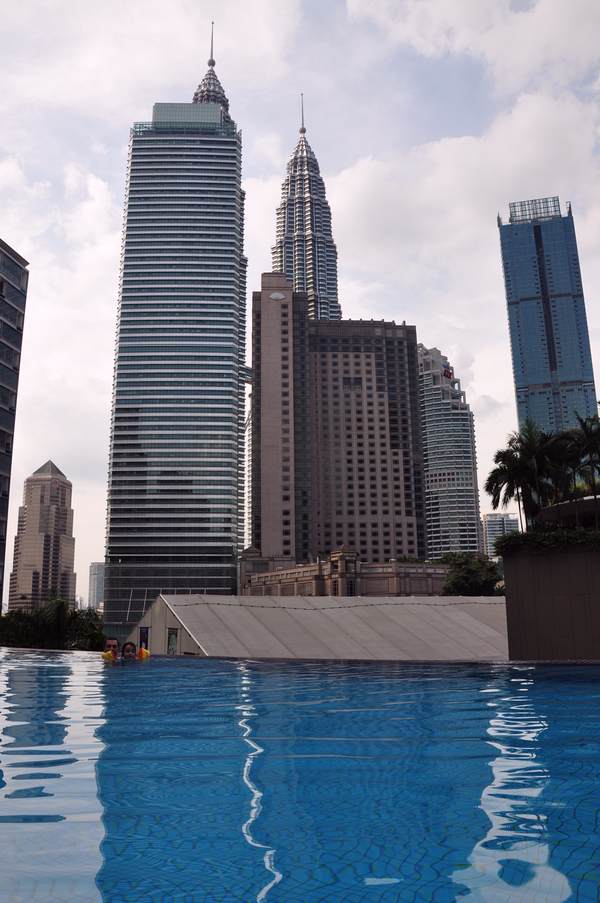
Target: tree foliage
{"x": 53, "y": 626}
{"x": 470, "y": 574}
{"x": 537, "y": 469}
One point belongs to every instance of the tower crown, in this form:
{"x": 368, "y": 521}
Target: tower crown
{"x": 210, "y": 89}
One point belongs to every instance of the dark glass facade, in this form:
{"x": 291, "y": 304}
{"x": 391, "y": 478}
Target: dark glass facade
{"x": 552, "y": 361}
{"x": 13, "y": 297}
{"x": 175, "y": 497}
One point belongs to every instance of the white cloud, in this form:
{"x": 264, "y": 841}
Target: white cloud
{"x": 417, "y": 238}
{"x": 549, "y": 41}
{"x": 102, "y": 58}
{"x": 65, "y": 380}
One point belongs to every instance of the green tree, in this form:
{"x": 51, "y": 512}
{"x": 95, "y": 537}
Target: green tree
{"x": 470, "y": 574}
{"x": 52, "y": 626}
{"x": 523, "y": 472}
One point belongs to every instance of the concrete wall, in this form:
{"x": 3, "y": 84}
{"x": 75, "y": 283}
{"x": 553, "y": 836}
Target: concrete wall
{"x": 553, "y": 604}
{"x": 159, "y": 618}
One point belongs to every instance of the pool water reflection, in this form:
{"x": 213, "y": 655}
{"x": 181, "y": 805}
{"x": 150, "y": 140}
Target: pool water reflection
{"x": 188, "y": 780}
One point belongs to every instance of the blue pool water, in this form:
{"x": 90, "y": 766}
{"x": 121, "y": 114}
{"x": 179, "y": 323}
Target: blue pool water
{"x": 217, "y": 781}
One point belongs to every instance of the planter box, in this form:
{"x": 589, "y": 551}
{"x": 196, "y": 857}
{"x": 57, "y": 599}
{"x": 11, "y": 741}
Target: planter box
{"x": 553, "y": 604}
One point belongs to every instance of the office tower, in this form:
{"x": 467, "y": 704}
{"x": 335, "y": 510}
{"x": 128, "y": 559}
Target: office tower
{"x": 552, "y": 363}
{"x": 449, "y": 459}
{"x": 96, "y": 586}
{"x": 44, "y": 545}
{"x": 13, "y": 296}
{"x": 495, "y": 525}
{"x": 175, "y": 496}
{"x": 336, "y": 441}
{"x": 281, "y": 438}
{"x": 304, "y": 247}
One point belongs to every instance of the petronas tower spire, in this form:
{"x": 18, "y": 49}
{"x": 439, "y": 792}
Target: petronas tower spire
{"x": 304, "y": 247}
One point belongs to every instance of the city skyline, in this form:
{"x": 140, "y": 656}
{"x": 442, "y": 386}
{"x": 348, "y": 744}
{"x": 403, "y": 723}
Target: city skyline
{"x": 414, "y": 185}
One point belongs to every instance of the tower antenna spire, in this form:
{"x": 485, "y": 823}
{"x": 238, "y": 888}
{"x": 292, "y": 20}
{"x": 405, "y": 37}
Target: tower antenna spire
{"x": 211, "y": 61}
{"x": 302, "y": 128}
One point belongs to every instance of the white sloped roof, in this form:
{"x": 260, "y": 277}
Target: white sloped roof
{"x": 406, "y": 628}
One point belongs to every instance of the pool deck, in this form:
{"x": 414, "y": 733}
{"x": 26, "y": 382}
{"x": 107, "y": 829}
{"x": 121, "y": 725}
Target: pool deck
{"x": 405, "y": 628}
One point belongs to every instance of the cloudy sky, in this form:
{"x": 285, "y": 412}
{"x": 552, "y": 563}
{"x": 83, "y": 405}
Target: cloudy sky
{"x": 427, "y": 117}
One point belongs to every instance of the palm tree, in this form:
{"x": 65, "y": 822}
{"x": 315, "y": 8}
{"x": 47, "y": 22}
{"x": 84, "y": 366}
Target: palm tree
{"x": 523, "y": 472}
{"x": 586, "y": 439}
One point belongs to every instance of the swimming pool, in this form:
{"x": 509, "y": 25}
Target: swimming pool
{"x": 219, "y": 781}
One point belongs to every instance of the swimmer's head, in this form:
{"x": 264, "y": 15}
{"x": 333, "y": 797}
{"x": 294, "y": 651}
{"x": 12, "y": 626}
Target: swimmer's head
{"x": 128, "y": 652}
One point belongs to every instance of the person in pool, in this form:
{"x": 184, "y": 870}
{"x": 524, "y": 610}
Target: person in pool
{"x": 129, "y": 652}
{"x": 111, "y": 647}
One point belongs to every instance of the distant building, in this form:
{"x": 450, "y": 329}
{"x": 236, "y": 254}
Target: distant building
{"x": 340, "y": 574}
{"x": 552, "y": 362}
{"x": 495, "y": 525}
{"x": 336, "y": 445}
{"x": 449, "y": 459}
{"x": 44, "y": 545}
{"x": 13, "y": 297}
{"x": 304, "y": 247}
{"x": 96, "y": 588}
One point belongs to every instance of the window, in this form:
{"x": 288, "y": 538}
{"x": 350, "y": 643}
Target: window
{"x": 172, "y": 633}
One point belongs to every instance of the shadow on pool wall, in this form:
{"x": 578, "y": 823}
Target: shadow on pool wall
{"x": 296, "y": 782}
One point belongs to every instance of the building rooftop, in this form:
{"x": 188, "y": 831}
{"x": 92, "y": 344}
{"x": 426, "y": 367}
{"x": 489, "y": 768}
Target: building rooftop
{"x": 49, "y": 469}
{"x": 409, "y": 628}
{"x": 534, "y": 210}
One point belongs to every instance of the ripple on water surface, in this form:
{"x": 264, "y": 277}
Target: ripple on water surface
{"x": 189, "y": 780}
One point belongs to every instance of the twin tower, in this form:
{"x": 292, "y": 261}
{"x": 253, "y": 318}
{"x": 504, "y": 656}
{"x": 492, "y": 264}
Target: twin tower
{"x": 177, "y": 452}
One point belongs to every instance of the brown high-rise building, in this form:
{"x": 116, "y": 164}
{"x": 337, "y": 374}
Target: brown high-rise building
{"x": 336, "y": 435}
{"x": 44, "y": 545}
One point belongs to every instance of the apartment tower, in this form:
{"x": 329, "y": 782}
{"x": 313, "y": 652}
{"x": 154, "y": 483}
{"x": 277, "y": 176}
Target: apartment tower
{"x": 449, "y": 459}
{"x": 13, "y": 296}
{"x": 176, "y": 471}
{"x": 43, "y": 563}
{"x": 497, "y": 524}
{"x": 304, "y": 247}
{"x": 336, "y": 437}
{"x": 552, "y": 362}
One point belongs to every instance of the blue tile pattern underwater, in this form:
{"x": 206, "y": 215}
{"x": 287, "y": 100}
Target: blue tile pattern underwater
{"x": 297, "y": 782}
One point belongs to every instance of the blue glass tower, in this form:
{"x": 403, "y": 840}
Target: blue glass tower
{"x": 176, "y": 471}
{"x": 552, "y": 362}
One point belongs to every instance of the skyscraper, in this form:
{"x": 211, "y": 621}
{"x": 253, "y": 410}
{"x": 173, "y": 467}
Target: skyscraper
{"x": 449, "y": 459}
{"x": 336, "y": 439}
{"x": 494, "y": 525}
{"x": 96, "y": 587}
{"x": 175, "y": 495}
{"x": 552, "y": 362}
{"x": 44, "y": 544}
{"x": 13, "y": 296}
{"x": 304, "y": 247}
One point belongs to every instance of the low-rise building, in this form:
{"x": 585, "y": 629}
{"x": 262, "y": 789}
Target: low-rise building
{"x": 341, "y": 574}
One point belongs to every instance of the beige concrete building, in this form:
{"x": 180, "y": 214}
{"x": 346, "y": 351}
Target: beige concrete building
{"x": 336, "y": 445}
{"x": 341, "y": 574}
{"x": 44, "y": 545}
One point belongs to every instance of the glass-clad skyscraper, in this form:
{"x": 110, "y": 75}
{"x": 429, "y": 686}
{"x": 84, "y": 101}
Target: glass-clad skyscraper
{"x": 13, "y": 296}
{"x": 552, "y": 362}
{"x": 175, "y": 493}
{"x": 304, "y": 247}
{"x": 449, "y": 459}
